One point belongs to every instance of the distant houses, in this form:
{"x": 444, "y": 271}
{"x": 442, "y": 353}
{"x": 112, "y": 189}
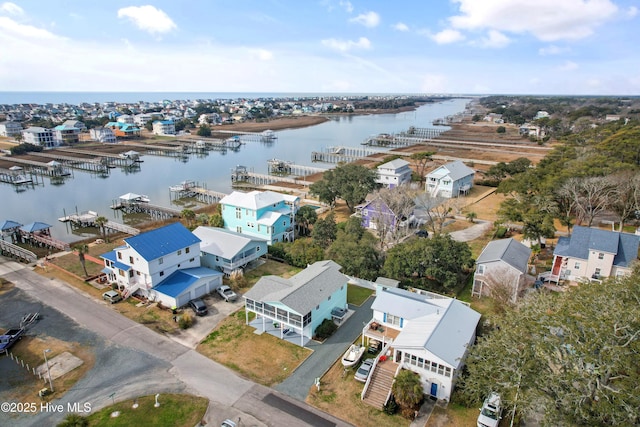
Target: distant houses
{"x": 104, "y": 134}
{"x": 37, "y": 135}
{"x": 10, "y": 129}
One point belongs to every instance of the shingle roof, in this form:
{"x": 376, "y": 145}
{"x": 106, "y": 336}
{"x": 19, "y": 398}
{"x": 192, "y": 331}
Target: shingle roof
{"x": 302, "y": 292}
{"x": 584, "y": 239}
{"x": 161, "y": 241}
{"x": 224, "y": 243}
{"x": 509, "y": 250}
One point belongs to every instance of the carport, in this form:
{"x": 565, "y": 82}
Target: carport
{"x": 184, "y": 285}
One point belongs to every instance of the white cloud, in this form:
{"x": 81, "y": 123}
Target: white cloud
{"x": 447, "y": 36}
{"x": 347, "y": 6}
{"x": 400, "y": 26}
{"x": 547, "y": 20}
{"x": 632, "y": 12}
{"x": 261, "y": 54}
{"x": 12, "y": 29}
{"x": 552, "y": 50}
{"x": 11, "y": 9}
{"x": 148, "y": 18}
{"x": 495, "y": 39}
{"x": 369, "y": 19}
{"x": 347, "y": 45}
{"x": 568, "y": 66}
{"x": 434, "y": 83}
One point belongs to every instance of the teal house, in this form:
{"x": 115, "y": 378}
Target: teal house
{"x": 264, "y": 214}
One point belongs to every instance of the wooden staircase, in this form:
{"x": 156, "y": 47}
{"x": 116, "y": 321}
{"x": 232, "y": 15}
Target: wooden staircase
{"x": 380, "y": 384}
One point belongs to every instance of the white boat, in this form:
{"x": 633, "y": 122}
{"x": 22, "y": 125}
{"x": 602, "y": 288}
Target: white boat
{"x": 352, "y": 355}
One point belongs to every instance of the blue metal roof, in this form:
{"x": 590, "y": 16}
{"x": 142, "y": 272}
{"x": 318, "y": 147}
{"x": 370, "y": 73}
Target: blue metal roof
{"x": 35, "y": 226}
{"x": 162, "y": 241}
{"x": 180, "y": 280}
{"x": 9, "y": 225}
{"x": 113, "y": 257}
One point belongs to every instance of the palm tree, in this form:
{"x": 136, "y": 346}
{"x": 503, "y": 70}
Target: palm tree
{"x": 471, "y": 216}
{"x": 82, "y": 249}
{"x": 189, "y": 215}
{"x": 407, "y": 391}
{"x": 100, "y": 222}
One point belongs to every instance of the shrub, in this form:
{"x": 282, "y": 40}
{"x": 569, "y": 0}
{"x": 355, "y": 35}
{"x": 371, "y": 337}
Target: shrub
{"x": 277, "y": 250}
{"x": 500, "y": 232}
{"x": 185, "y": 321}
{"x": 237, "y": 279}
{"x": 501, "y": 129}
{"x": 326, "y": 329}
{"x": 391, "y": 407}
{"x": 114, "y": 286}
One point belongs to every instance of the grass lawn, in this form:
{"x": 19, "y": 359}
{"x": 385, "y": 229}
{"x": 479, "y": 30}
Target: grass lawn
{"x": 453, "y": 416}
{"x": 264, "y": 358}
{"x": 339, "y": 395}
{"x": 271, "y": 267}
{"x": 357, "y": 295}
{"x": 175, "y": 410}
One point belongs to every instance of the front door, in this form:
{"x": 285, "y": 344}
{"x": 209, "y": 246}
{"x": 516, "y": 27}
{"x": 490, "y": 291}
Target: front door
{"x": 434, "y": 390}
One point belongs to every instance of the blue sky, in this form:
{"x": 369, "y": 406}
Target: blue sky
{"x": 373, "y": 46}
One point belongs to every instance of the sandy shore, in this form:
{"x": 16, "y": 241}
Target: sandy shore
{"x": 275, "y": 124}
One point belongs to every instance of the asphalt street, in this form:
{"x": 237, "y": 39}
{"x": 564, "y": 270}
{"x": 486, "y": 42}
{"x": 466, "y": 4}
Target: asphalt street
{"x": 135, "y": 360}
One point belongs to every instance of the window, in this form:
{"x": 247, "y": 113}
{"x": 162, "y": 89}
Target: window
{"x": 597, "y": 272}
{"x": 191, "y": 259}
{"x": 119, "y": 255}
{"x": 137, "y": 273}
{"x": 434, "y": 367}
{"x": 257, "y": 248}
{"x": 317, "y": 307}
{"x": 284, "y": 223}
{"x": 480, "y": 269}
{"x": 393, "y": 320}
{"x": 238, "y": 213}
{"x": 329, "y": 299}
{"x": 130, "y": 260}
{"x": 130, "y": 273}
{"x": 161, "y": 273}
{"x": 186, "y": 250}
{"x": 600, "y": 255}
{"x": 447, "y": 371}
{"x": 576, "y": 266}
{"x": 179, "y": 252}
{"x": 238, "y": 229}
{"x": 160, "y": 261}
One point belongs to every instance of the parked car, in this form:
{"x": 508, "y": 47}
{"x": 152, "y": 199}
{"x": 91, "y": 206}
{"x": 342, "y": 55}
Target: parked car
{"x": 198, "y": 306}
{"x": 9, "y": 338}
{"x": 364, "y": 370}
{"x": 491, "y": 411}
{"x": 422, "y": 233}
{"x": 112, "y": 296}
{"x": 227, "y": 294}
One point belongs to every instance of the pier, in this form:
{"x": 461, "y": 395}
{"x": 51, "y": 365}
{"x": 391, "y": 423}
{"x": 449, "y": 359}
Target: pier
{"x": 125, "y": 160}
{"x": 15, "y": 175}
{"x": 14, "y": 251}
{"x": 191, "y": 189}
{"x": 410, "y": 137}
{"x": 241, "y": 176}
{"x": 99, "y": 166}
{"x": 345, "y": 154}
{"x": 134, "y": 203}
{"x": 265, "y": 136}
{"x": 52, "y": 169}
{"x": 285, "y": 168}
{"x": 38, "y": 234}
{"x": 88, "y": 219}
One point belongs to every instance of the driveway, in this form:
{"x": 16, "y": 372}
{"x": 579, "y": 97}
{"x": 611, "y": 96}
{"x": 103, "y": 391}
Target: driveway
{"x": 324, "y": 355}
{"x": 471, "y": 233}
{"x": 129, "y": 346}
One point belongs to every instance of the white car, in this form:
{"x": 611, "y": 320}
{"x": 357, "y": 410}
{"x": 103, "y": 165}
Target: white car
{"x": 227, "y": 294}
{"x": 491, "y": 411}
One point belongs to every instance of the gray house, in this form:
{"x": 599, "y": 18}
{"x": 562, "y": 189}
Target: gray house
{"x": 227, "y": 250}
{"x": 502, "y": 263}
{"x": 450, "y": 180}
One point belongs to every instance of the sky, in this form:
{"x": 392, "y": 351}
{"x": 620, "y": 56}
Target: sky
{"x": 546, "y": 47}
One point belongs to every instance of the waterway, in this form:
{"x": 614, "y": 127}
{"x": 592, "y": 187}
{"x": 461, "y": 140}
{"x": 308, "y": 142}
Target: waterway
{"x": 84, "y": 191}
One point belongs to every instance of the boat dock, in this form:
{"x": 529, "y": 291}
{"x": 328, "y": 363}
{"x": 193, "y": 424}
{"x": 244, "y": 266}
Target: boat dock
{"x": 88, "y": 219}
{"x": 265, "y": 136}
{"x": 15, "y": 175}
{"x": 99, "y": 166}
{"x": 240, "y": 176}
{"x": 410, "y": 137}
{"x": 134, "y": 203}
{"x": 345, "y": 154}
{"x": 191, "y": 189}
{"x": 126, "y": 160}
{"x": 52, "y": 169}
{"x": 284, "y": 168}
{"x": 179, "y": 150}
{"x": 14, "y": 251}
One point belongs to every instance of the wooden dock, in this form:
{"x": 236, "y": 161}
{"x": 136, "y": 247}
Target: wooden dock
{"x": 345, "y": 154}
{"x": 240, "y": 176}
{"x": 88, "y": 219}
{"x": 51, "y": 169}
{"x": 98, "y": 166}
{"x": 14, "y": 251}
{"x": 265, "y": 136}
{"x": 285, "y": 168}
{"x": 154, "y": 211}
{"x": 191, "y": 189}
{"x": 16, "y": 176}
{"x": 112, "y": 160}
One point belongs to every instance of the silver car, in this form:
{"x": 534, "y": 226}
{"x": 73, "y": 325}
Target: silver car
{"x": 364, "y": 370}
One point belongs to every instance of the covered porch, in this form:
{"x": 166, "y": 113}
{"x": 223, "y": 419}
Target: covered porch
{"x": 290, "y": 333}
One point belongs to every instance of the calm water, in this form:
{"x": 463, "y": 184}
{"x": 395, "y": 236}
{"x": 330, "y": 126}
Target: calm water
{"x": 84, "y": 191}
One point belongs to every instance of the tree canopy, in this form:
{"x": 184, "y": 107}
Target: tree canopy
{"x": 572, "y": 357}
{"x": 349, "y": 182}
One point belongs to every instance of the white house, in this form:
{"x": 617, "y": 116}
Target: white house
{"x": 75, "y": 124}
{"x": 103, "y": 135}
{"x": 10, "y": 129}
{"x": 226, "y": 250}
{"x": 450, "y": 180}
{"x": 502, "y": 263}
{"x": 161, "y": 265}
{"x": 424, "y": 332}
{"x": 394, "y": 173}
{"x": 66, "y": 134}
{"x": 164, "y": 127}
{"x": 38, "y": 136}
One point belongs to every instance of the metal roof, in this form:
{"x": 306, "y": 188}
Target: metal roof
{"x": 394, "y": 164}
{"x": 9, "y": 225}
{"x": 408, "y": 305}
{"x": 181, "y": 280}
{"x": 161, "y": 241}
{"x": 253, "y": 200}
{"x": 35, "y": 226}
{"x": 455, "y": 170}
{"x": 113, "y": 257}
{"x": 222, "y": 242}
{"x": 508, "y": 250}
{"x": 302, "y": 292}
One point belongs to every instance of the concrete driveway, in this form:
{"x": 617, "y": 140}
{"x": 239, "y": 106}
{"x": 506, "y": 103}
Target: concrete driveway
{"x": 174, "y": 367}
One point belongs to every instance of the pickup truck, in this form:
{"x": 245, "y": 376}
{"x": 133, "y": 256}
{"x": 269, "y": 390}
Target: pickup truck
{"x": 227, "y": 294}
{"x": 9, "y": 338}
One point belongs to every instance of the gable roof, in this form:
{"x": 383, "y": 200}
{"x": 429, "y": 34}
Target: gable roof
{"x": 9, "y": 225}
{"x": 113, "y": 257}
{"x": 222, "y": 242}
{"x": 394, "y": 164}
{"x": 508, "y": 250}
{"x": 35, "y": 226}
{"x": 253, "y": 200}
{"x": 180, "y": 280}
{"x": 161, "y": 241}
{"x": 455, "y": 170}
{"x": 302, "y": 292}
{"x": 623, "y": 246}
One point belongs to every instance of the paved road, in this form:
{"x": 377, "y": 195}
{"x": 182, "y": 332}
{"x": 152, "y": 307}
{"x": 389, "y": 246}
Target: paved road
{"x": 324, "y": 355}
{"x": 173, "y": 367}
